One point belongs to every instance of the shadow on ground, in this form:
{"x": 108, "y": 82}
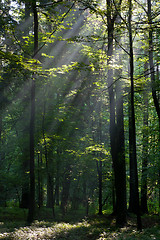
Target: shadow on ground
{"x": 92, "y": 228}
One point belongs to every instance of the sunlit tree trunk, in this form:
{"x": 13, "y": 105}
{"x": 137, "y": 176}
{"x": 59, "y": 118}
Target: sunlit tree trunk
{"x": 134, "y": 193}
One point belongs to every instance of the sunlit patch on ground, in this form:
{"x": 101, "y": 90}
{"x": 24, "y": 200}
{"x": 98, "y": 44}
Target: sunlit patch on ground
{"x": 45, "y": 230}
{"x": 93, "y": 228}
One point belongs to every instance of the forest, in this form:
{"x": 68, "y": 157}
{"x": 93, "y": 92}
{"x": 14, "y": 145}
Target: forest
{"x": 79, "y": 119}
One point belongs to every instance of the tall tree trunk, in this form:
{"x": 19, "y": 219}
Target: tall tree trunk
{"x": 144, "y": 208}
{"x": 32, "y": 124}
{"x": 117, "y": 158}
{"x": 134, "y": 193}
{"x": 121, "y": 164}
{"x": 24, "y": 203}
{"x": 99, "y": 163}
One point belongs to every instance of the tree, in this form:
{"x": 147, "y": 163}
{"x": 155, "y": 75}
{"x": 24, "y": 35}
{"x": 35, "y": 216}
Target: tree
{"x": 116, "y": 137}
{"x": 144, "y": 207}
{"x": 134, "y": 193}
{"x": 32, "y": 123}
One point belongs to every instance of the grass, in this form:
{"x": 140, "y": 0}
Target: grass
{"x": 73, "y": 227}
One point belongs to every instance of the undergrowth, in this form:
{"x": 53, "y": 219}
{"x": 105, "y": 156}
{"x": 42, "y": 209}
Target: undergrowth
{"x": 73, "y": 227}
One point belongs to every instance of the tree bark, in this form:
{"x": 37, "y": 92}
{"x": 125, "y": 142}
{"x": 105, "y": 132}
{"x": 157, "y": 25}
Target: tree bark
{"x": 65, "y": 190}
{"x": 134, "y": 193}
{"x": 57, "y": 183}
{"x": 117, "y": 158}
{"x": 99, "y": 169}
{"x": 32, "y": 124}
{"x": 40, "y": 183}
{"x": 99, "y": 163}
{"x": 144, "y": 208}
{"x": 50, "y": 197}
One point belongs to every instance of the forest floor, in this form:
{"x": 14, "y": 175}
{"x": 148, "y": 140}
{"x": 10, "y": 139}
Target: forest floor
{"x": 88, "y": 228}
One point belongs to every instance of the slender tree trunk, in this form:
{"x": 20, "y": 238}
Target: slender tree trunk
{"x": 111, "y": 92}
{"x": 39, "y": 176}
{"x": 113, "y": 192}
{"x": 2, "y": 155}
{"x": 134, "y": 193}
{"x": 32, "y": 165}
{"x": 65, "y": 190}
{"x": 50, "y": 196}
{"x": 144, "y": 208}
{"x": 99, "y": 163}
{"x": 32, "y": 124}
{"x": 57, "y": 176}
{"x": 121, "y": 164}
{"x": 99, "y": 169}
{"x": 121, "y": 167}
{"x": 24, "y": 203}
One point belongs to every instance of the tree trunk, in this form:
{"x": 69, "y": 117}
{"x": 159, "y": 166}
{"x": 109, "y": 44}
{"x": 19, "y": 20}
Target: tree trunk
{"x": 40, "y": 186}
{"x": 144, "y": 208}
{"x": 32, "y": 124}
{"x": 120, "y": 163}
{"x": 50, "y": 197}
{"x": 134, "y": 193}
{"x": 99, "y": 169}
{"x": 24, "y": 203}
{"x": 57, "y": 183}
{"x": 32, "y": 165}
{"x": 65, "y": 190}
{"x": 99, "y": 163}
{"x": 117, "y": 158}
